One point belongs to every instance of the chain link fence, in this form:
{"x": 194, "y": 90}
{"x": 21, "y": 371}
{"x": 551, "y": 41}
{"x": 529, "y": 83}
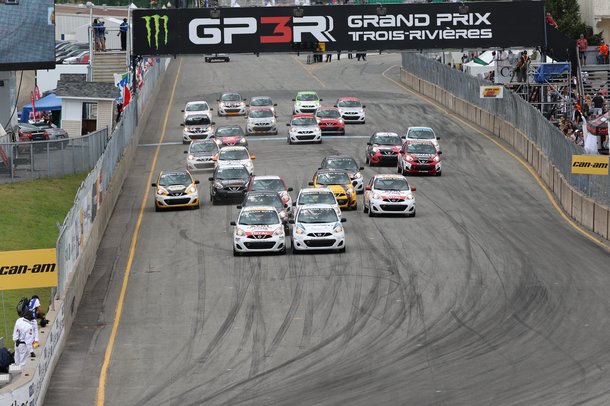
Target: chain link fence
{"x": 517, "y": 112}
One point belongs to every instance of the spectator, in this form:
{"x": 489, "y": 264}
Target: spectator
{"x": 103, "y": 36}
{"x": 550, "y": 20}
{"x": 598, "y": 104}
{"x": 6, "y": 359}
{"x": 123, "y": 33}
{"x": 361, "y": 55}
{"x": 521, "y": 67}
{"x": 95, "y": 31}
{"x": 329, "y": 56}
{"x": 23, "y": 332}
{"x": 39, "y": 313}
{"x": 582, "y": 45}
{"x": 602, "y": 53}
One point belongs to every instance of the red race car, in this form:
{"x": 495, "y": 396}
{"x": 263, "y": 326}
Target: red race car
{"x": 330, "y": 120}
{"x": 419, "y": 157}
{"x": 382, "y": 147}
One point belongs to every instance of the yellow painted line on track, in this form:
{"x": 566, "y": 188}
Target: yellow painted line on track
{"x": 309, "y": 71}
{"x": 101, "y": 388}
{"x": 591, "y": 236}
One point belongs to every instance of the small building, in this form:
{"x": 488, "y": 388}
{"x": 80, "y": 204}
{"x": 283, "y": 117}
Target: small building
{"x": 86, "y": 106}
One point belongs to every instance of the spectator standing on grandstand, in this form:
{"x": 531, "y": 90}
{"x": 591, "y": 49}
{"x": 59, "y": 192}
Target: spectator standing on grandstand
{"x": 95, "y": 29}
{"x": 23, "y": 332}
{"x": 598, "y": 105}
{"x": 35, "y": 307}
{"x": 522, "y": 66}
{"x": 602, "y": 53}
{"x": 123, "y": 28}
{"x": 550, "y": 20}
{"x": 582, "y": 45}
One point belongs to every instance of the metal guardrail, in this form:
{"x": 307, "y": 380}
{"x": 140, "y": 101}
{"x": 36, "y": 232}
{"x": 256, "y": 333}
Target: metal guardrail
{"x": 520, "y": 114}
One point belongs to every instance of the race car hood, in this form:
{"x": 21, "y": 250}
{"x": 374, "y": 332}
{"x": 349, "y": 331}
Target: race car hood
{"x": 351, "y": 109}
{"x": 202, "y": 154}
{"x": 423, "y": 156}
{"x": 261, "y": 120}
{"x": 231, "y": 103}
{"x": 303, "y": 127}
{"x": 259, "y": 230}
{"x": 197, "y": 128}
{"x": 318, "y": 228}
{"x": 229, "y": 139}
{"x": 305, "y": 103}
{"x": 393, "y": 148}
{"x": 232, "y": 182}
{"x": 330, "y": 120}
{"x": 336, "y": 188}
{"x": 233, "y": 161}
{"x": 395, "y": 194}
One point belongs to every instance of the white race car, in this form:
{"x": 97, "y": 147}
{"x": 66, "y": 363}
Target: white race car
{"x": 317, "y": 227}
{"x": 258, "y": 229}
{"x": 304, "y": 128}
{"x": 197, "y": 107}
{"x": 316, "y": 195}
{"x": 235, "y": 156}
{"x": 389, "y": 194}
{"x": 306, "y": 102}
{"x": 231, "y": 104}
{"x": 422, "y": 134}
{"x": 261, "y": 120}
{"x": 196, "y": 127}
{"x": 351, "y": 109}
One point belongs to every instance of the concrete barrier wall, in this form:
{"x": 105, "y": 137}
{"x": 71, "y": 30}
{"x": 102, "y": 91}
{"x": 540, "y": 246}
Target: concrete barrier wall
{"x": 590, "y": 214}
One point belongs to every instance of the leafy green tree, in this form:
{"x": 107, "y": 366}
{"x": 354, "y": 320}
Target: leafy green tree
{"x": 567, "y": 15}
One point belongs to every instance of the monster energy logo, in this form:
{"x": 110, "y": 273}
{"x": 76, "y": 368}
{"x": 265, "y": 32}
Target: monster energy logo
{"x": 157, "y": 22}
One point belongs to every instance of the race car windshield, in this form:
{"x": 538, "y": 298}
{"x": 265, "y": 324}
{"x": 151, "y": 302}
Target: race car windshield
{"x": 328, "y": 114}
{"x": 199, "y": 147}
{"x": 421, "y": 149}
{"x": 304, "y": 121}
{"x": 321, "y": 215}
{"x": 307, "y": 97}
{"x": 387, "y": 140}
{"x": 349, "y": 103}
{"x": 197, "y": 120}
{"x": 169, "y": 179}
{"x": 391, "y": 184}
{"x": 261, "y": 113}
{"x": 347, "y": 164}
{"x": 268, "y": 184}
{"x": 228, "y": 131}
{"x": 230, "y": 97}
{"x": 264, "y": 200}
{"x": 197, "y": 107}
{"x": 421, "y": 134}
{"x": 232, "y": 173}
{"x": 333, "y": 179}
{"x": 259, "y": 218}
{"x": 261, "y": 102}
{"x": 317, "y": 198}
{"x": 234, "y": 154}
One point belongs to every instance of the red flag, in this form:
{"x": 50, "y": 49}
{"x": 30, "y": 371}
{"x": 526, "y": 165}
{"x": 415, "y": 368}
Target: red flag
{"x": 33, "y": 100}
{"x": 126, "y": 96}
{"x": 36, "y": 92}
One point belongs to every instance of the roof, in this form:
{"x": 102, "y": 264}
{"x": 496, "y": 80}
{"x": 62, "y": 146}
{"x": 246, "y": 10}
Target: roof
{"x": 318, "y": 206}
{"x": 419, "y": 128}
{"x": 259, "y": 208}
{"x": 350, "y": 98}
{"x": 233, "y": 148}
{"x": 388, "y": 176}
{"x": 76, "y": 86}
{"x": 387, "y": 133}
{"x": 316, "y": 190}
{"x": 267, "y": 177}
{"x": 307, "y": 92}
{"x": 259, "y": 97}
{"x": 327, "y": 108}
{"x": 339, "y": 157}
{"x": 303, "y": 115}
{"x": 331, "y": 170}
{"x": 196, "y": 102}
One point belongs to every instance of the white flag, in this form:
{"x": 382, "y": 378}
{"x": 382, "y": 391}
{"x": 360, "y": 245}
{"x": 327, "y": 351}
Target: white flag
{"x": 590, "y": 140}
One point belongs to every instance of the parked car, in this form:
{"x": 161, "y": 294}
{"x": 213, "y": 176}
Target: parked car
{"x": 83, "y": 57}
{"x": 30, "y": 133}
{"x": 54, "y": 133}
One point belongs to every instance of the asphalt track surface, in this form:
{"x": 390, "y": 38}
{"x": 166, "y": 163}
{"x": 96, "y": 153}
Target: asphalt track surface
{"x": 487, "y": 297}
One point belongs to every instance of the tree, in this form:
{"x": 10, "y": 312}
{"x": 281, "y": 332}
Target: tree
{"x": 567, "y": 15}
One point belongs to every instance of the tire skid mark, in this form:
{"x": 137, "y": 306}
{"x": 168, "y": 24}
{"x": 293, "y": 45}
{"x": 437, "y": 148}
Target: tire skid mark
{"x": 308, "y": 322}
{"x": 259, "y": 331}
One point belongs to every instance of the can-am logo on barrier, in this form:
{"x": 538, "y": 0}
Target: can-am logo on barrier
{"x": 349, "y": 28}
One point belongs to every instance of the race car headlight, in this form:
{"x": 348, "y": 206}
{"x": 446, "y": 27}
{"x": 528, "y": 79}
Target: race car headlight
{"x": 162, "y": 191}
{"x": 357, "y": 175}
{"x": 375, "y": 150}
{"x": 409, "y": 196}
{"x": 191, "y": 189}
{"x": 409, "y": 158}
{"x": 239, "y": 232}
{"x": 300, "y": 229}
{"x": 278, "y": 231}
{"x": 376, "y": 196}
{"x": 338, "y": 228}
{"x": 248, "y": 164}
{"x": 218, "y": 185}
{"x": 243, "y": 140}
{"x": 190, "y": 157}
{"x": 437, "y": 158}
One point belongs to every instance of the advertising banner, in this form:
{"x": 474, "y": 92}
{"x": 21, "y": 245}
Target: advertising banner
{"x": 590, "y": 164}
{"x": 345, "y": 27}
{"x": 491, "y": 92}
{"x": 28, "y": 269}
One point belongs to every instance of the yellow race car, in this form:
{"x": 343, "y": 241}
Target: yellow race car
{"x": 340, "y": 183}
{"x": 176, "y": 189}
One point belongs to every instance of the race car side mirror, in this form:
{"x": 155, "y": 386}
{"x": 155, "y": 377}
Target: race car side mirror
{"x": 196, "y": 181}
{"x": 361, "y": 168}
{"x": 153, "y": 184}
{"x": 413, "y": 188}
{"x": 368, "y": 143}
{"x": 291, "y": 221}
{"x": 440, "y": 152}
{"x": 294, "y": 204}
{"x": 289, "y": 189}
{"x": 213, "y": 123}
{"x": 287, "y": 124}
{"x": 211, "y": 179}
{"x": 211, "y": 109}
{"x": 310, "y": 183}
{"x": 293, "y": 100}
{"x": 186, "y": 152}
{"x": 285, "y": 205}
{"x": 274, "y": 104}
{"x": 218, "y": 100}
{"x": 354, "y": 183}
{"x": 321, "y": 99}
{"x": 319, "y": 168}
{"x": 364, "y": 107}
{"x": 233, "y": 223}
{"x": 343, "y": 219}
{"x": 182, "y": 111}
{"x": 239, "y": 207}
{"x": 334, "y": 105}
{"x": 367, "y": 188}
{"x": 181, "y": 124}
{"x": 252, "y": 156}
{"x": 438, "y": 138}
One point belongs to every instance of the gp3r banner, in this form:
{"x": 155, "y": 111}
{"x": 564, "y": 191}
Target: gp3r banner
{"x": 590, "y": 164}
{"x": 28, "y": 269}
{"x": 341, "y": 27}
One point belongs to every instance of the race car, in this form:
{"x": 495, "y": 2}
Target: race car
{"x": 262, "y": 101}
{"x": 267, "y": 198}
{"x": 390, "y": 194}
{"x": 422, "y": 134}
{"x": 348, "y": 164}
{"x": 304, "y": 128}
{"x": 339, "y": 182}
{"x": 200, "y": 154}
{"x": 231, "y": 104}
{"x": 351, "y": 109}
{"x": 258, "y": 229}
{"x": 229, "y": 135}
{"x": 229, "y": 182}
{"x": 197, "y": 107}
{"x": 382, "y": 148}
{"x": 235, "y": 156}
{"x": 306, "y": 102}
{"x": 261, "y": 120}
{"x": 275, "y": 183}
{"x": 330, "y": 121}
{"x": 196, "y": 127}
{"x": 419, "y": 157}
{"x": 175, "y": 189}
{"x": 317, "y": 227}
{"x": 316, "y": 195}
